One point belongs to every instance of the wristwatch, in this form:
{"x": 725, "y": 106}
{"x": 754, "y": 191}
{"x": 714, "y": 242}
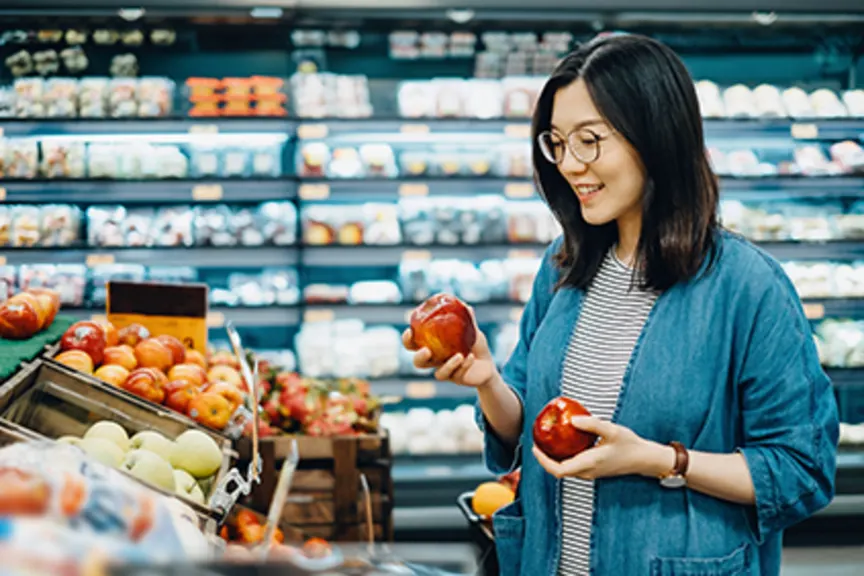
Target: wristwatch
{"x": 677, "y": 478}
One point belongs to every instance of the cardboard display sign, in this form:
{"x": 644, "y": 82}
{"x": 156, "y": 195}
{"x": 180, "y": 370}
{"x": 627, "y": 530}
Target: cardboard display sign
{"x": 179, "y": 310}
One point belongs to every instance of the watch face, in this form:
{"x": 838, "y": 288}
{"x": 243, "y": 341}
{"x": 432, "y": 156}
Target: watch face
{"x": 673, "y": 482}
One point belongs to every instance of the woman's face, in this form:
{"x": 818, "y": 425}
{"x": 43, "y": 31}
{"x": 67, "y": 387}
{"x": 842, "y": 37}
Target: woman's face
{"x": 611, "y": 187}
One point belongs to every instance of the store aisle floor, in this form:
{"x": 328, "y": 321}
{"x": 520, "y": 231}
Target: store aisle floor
{"x": 846, "y": 561}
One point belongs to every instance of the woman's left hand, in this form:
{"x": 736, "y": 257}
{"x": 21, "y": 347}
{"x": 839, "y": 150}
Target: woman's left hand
{"x": 619, "y": 452}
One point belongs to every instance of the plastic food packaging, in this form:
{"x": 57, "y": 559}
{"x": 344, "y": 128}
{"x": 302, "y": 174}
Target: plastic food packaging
{"x": 214, "y": 226}
{"x": 122, "y": 102}
{"x": 739, "y": 102}
{"x": 61, "y": 98}
{"x": 826, "y": 104}
{"x": 797, "y": 103}
{"x": 5, "y": 226}
{"x": 416, "y": 99}
{"x": 381, "y": 224}
{"x": 849, "y": 155}
{"x": 60, "y": 225}
{"x": 21, "y": 158}
{"x": 205, "y": 161}
{"x": 279, "y": 223}
{"x": 769, "y": 101}
{"x": 93, "y": 97}
{"x": 101, "y": 275}
{"x": 137, "y": 227}
{"x": 710, "y": 99}
{"x": 7, "y": 282}
{"x": 63, "y": 159}
{"x": 313, "y": 159}
{"x": 854, "y": 102}
{"x": 173, "y": 227}
{"x": 26, "y": 222}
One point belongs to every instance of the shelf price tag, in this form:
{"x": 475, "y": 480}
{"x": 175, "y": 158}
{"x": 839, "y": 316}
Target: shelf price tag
{"x": 2, "y": 194}
{"x": 421, "y": 390}
{"x": 416, "y": 255}
{"x": 519, "y": 190}
{"x": 204, "y": 129}
{"x": 207, "y": 192}
{"x": 215, "y": 319}
{"x": 314, "y": 191}
{"x": 805, "y": 131}
{"x": 321, "y": 315}
{"x": 312, "y": 131}
{"x": 99, "y": 260}
{"x": 2, "y": 260}
{"x": 414, "y": 190}
{"x": 522, "y": 254}
{"x": 814, "y": 310}
{"x": 522, "y": 131}
{"x": 414, "y": 128}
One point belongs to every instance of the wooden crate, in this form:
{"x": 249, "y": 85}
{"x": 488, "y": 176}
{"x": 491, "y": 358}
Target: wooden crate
{"x": 326, "y": 498}
{"x": 50, "y": 400}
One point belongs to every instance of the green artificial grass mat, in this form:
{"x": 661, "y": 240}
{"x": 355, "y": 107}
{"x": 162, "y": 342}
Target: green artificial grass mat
{"x": 13, "y": 352}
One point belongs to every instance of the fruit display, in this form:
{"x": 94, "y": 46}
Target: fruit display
{"x": 158, "y": 368}
{"x": 27, "y": 313}
{"x": 180, "y": 466}
{"x": 444, "y": 325}
{"x": 554, "y": 434}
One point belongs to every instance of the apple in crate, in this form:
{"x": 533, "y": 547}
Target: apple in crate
{"x": 19, "y": 320}
{"x": 553, "y": 433}
{"x": 151, "y": 353}
{"x": 192, "y": 373}
{"x": 77, "y": 360}
{"x": 42, "y": 307}
{"x": 87, "y": 337}
{"x": 122, "y": 355}
{"x": 227, "y": 391}
{"x": 50, "y": 300}
{"x": 112, "y": 335}
{"x": 211, "y": 410}
{"x": 225, "y": 358}
{"x": 112, "y": 374}
{"x": 178, "y": 395}
{"x": 146, "y": 383}
{"x": 133, "y": 334}
{"x": 195, "y": 357}
{"x": 444, "y": 325}
{"x": 225, "y": 373}
{"x": 178, "y": 350}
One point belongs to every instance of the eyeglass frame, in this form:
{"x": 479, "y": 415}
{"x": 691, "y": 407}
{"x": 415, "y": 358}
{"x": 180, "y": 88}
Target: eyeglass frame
{"x": 569, "y": 145}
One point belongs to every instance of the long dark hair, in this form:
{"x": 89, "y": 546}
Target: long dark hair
{"x": 643, "y": 90}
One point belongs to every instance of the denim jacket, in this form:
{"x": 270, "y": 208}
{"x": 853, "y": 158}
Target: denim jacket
{"x": 726, "y": 362}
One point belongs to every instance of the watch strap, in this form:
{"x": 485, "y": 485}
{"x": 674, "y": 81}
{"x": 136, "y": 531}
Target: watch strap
{"x": 682, "y": 459}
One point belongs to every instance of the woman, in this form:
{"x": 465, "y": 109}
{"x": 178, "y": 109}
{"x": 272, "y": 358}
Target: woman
{"x": 688, "y": 345}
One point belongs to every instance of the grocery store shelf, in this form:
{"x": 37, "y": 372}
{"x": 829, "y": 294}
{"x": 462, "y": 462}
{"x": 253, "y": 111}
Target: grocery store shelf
{"x": 247, "y": 257}
{"x": 218, "y": 316}
{"x": 487, "y": 313}
{"x": 126, "y": 127}
{"x": 791, "y": 187}
{"x": 420, "y": 388}
{"x": 365, "y": 190}
{"x": 800, "y": 129}
{"x": 148, "y": 192}
{"x": 818, "y": 308}
{"x": 839, "y": 249}
{"x": 843, "y": 377}
{"x": 392, "y": 255}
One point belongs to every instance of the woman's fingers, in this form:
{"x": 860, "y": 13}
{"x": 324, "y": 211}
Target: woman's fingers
{"x": 461, "y": 371}
{"x": 422, "y": 358}
{"x": 408, "y": 340}
{"x": 445, "y": 372}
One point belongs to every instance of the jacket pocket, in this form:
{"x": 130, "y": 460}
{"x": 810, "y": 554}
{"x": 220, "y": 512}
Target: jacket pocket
{"x": 509, "y": 526}
{"x": 738, "y": 563}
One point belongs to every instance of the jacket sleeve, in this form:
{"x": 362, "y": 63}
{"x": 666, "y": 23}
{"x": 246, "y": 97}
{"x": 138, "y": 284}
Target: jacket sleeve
{"x": 789, "y": 414}
{"x": 501, "y": 458}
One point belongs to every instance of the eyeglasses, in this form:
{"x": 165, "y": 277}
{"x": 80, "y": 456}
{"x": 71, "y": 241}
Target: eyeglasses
{"x": 584, "y": 145}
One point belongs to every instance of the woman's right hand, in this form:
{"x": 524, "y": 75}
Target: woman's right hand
{"x": 475, "y": 371}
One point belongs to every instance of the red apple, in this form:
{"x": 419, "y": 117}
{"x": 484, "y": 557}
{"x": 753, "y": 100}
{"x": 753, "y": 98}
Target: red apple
{"x": 178, "y": 350}
{"x": 112, "y": 335}
{"x": 122, "y": 355}
{"x": 77, "y": 360}
{"x": 195, "y": 357}
{"x": 444, "y": 325}
{"x": 53, "y": 296}
{"x": 43, "y": 308}
{"x": 224, "y": 373}
{"x": 227, "y": 391}
{"x": 146, "y": 383}
{"x": 211, "y": 410}
{"x": 151, "y": 353}
{"x": 112, "y": 374}
{"x": 193, "y": 373}
{"x": 87, "y": 337}
{"x": 19, "y": 320}
{"x": 178, "y": 395}
{"x": 133, "y": 334}
{"x": 555, "y": 436}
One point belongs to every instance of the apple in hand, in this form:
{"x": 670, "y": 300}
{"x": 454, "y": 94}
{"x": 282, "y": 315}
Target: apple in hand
{"x": 133, "y": 334}
{"x": 555, "y": 436}
{"x": 87, "y": 337}
{"x": 151, "y": 353}
{"x": 443, "y": 324}
{"x": 146, "y": 383}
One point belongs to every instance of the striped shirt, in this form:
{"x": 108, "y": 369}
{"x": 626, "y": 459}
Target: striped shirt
{"x": 612, "y": 317}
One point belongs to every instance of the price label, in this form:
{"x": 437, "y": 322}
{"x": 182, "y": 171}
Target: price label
{"x": 519, "y": 190}
{"x": 215, "y": 319}
{"x": 516, "y": 314}
{"x": 420, "y": 390}
{"x": 100, "y": 260}
{"x": 314, "y": 191}
{"x": 312, "y": 131}
{"x": 814, "y": 310}
{"x": 414, "y": 190}
{"x": 98, "y": 318}
{"x": 805, "y": 131}
{"x": 321, "y": 315}
{"x": 2, "y": 260}
{"x": 522, "y": 254}
{"x": 522, "y": 131}
{"x": 207, "y": 192}
{"x": 2, "y": 194}
{"x": 414, "y": 128}
{"x": 204, "y": 129}
{"x": 417, "y": 255}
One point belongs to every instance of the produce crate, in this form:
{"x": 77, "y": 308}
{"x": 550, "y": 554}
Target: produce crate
{"x": 52, "y": 350}
{"x": 326, "y": 499}
{"x": 50, "y": 401}
{"x": 15, "y": 352}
